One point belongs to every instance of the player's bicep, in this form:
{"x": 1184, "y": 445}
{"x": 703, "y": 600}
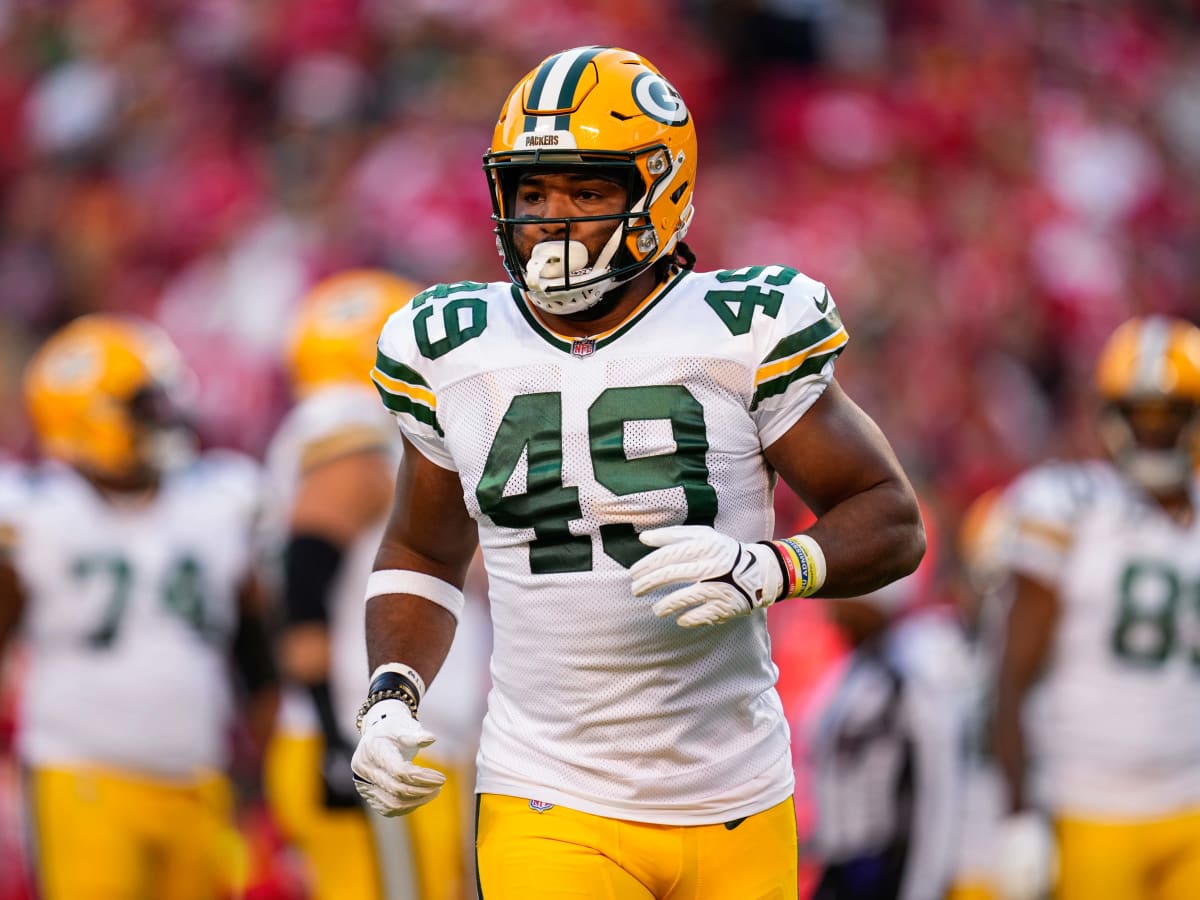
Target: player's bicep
{"x": 835, "y": 451}
{"x": 340, "y": 498}
{"x": 429, "y": 529}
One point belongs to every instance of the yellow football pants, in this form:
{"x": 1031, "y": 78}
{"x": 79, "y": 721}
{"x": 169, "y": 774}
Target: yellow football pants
{"x": 1156, "y": 859}
{"x": 338, "y": 846}
{"x": 971, "y": 891}
{"x": 107, "y": 835}
{"x": 563, "y": 854}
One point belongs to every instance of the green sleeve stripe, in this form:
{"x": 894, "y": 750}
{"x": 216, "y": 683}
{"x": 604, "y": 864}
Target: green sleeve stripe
{"x": 776, "y": 386}
{"x": 398, "y": 370}
{"x": 398, "y": 403}
{"x": 805, "y": 338}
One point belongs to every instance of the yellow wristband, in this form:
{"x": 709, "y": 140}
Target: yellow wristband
{"x": 805, "y": 561}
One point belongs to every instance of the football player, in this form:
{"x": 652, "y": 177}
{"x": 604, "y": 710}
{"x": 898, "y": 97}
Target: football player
{"x": 607, "y": 425}
{"x": 1104, "y": 620}
{"x": 129, "y": 571}
{"x": 984, "y": 538}
{"x": 331, "y": 465}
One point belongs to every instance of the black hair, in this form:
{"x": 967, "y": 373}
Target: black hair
{"x": 683, "y": 258}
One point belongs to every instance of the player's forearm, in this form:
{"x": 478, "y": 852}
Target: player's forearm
{"x": 1008, "y": 745}
{"x": 870, "y": 539}
{"x": 12, "y": 599}
{"x": 409, "y": 629}
{"x": 415, "y": 590}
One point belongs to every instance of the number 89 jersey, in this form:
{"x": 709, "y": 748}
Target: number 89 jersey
{"x": 566, "y": 449}
{"x": 1113, "y": 722}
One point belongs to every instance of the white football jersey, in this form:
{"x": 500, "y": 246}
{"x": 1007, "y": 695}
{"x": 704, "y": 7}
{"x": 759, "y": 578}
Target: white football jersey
{"x": 130, "y": 612}
{"x": 566, "y": 449}
{"x": 328, "y": 423}
{"x": 1114, "y": 726}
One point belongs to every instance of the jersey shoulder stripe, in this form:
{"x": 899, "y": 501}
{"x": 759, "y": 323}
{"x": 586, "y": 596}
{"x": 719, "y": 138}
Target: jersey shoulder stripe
{"x": 801, "y": 354}
{"x": 403, "y": 390}
{"x": 351, "y": 439}
{"x": 1047, "y": 505}
{"x": 419, "y": 352}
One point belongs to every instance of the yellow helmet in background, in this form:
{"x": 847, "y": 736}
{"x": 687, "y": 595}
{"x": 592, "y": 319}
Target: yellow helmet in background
{"x": 1148, "y": 379}
{"x": 983, "y": 535}
{"x": 337, "y": 326}
{"x": 610, "y": 110}
{"x": 96, "y": 392}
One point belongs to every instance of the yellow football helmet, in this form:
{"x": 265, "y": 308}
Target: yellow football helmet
{"x": 103, "y": 391}
{"x": 1148, "y": 379}
{"x": 982, "y": 536}
{"x": 337, "y": 325}
{"x": 609, "y": 109}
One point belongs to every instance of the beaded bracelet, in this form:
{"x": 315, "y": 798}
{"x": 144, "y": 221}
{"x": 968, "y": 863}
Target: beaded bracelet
{"x": 389, "y": 686}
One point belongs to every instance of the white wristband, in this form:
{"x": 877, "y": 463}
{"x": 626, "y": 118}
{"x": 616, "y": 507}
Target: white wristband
{"x": 816, "y": 556}
{"x": 407, "y": 581}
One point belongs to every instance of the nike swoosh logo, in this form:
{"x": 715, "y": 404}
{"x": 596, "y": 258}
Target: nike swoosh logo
{"x": 734, "y": 823}
{"x": 823, "y": 303}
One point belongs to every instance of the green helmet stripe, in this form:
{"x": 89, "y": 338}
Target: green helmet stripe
{"x": 570, "y": 83}
{"x": 535, "y": 89}
{"x": 561, "y": 71}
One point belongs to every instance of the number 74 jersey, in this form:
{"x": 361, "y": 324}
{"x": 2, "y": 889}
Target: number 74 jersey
{"x": 566, "y": 449}
{"x": 130, "y": 613}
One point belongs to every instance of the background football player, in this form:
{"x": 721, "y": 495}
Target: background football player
{"x": 884, "y": 746}
{"x": 984, "y": 586}
{"x": 606, "y": 425}
{"x": 129, "y": 571}
{"x": 1104, "y": 620}
{"x": 332, "y": 465}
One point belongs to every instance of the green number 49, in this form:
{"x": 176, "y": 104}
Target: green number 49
{"x": 532, "y": 430}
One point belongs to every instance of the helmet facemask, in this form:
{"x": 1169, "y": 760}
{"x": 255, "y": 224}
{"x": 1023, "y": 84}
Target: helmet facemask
{"x": 1153, "y": 440}
{"x": 163, "y": 437}
{"x": 1148, "y": 379}
{"x": 562, "y": 279}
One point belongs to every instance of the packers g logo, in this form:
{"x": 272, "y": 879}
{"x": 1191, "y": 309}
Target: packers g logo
{"x": 346, "y": 311}
{"x": 655, "y": 97}
{"x": 74, "y": 366}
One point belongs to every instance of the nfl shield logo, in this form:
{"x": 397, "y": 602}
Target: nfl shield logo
{"x": 540, "y": 806}
{"x": 583, "y": 346}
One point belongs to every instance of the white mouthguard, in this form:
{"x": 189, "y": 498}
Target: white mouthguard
{"x": 545, "y": 268}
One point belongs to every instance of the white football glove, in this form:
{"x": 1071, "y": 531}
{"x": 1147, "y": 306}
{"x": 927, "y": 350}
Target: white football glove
{"x": 382, "y": 763}
{"x": 726, "y": 577}
{"x": 1026, "y": 857}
